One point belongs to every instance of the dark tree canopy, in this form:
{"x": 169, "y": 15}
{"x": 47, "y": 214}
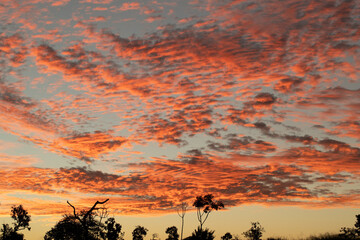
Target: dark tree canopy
{"x": 22, "y": 220}
{"x": 139, "y": 233}
{"x": 204, "y": 205}
{"x": 113, "y": 229}
{"x": 85, "y": 225}
{"x": 67, "y": 228}
{"x": 173, "y": 234}
{"x": 357, "y": 224}
{"x": 8, "y": 233}
{"x": 21, "y": 217}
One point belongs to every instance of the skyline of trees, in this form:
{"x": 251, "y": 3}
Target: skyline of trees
{"x": 94, "y": 224}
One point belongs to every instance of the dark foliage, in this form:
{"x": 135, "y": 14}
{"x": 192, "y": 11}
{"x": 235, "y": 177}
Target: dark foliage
{"x": 8, "y": 233}
{"x": 21, "y": 217}
{"x": 139, "y": 233}
{"x": 357, "y": 225}
{"x": 255, "y": 232}
{"x": 227, "y": 236}
{"x": 328, "y": 236}
{"x": 347, "y": 233}
{"x": 113, "y": 230}
{"x": 85, "y": 226}
{"x": 67, "y": 228}
{"x": 173, "y": 234}
{"x": 204, "y": 205}
{"x": 201, "y": 234}
{"x": 22, "y": 220}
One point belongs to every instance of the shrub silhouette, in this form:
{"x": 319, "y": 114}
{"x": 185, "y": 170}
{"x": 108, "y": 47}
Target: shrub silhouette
{"x": 227, "y": 236}
{"x": 255, "y": 232}
{"x": 173, "y": 234}
{"x": 327, "y": 236}
{"x": 22, "y": 219}
{"x": 347, "y": 233}
{"x": 351, "y": 233}
{"x": 201, "y": 234}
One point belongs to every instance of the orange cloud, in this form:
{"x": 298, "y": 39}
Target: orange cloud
{"x": 265, "y": 94}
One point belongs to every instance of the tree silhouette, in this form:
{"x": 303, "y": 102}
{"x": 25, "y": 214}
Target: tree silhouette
{"x": 201, "y": 234}
{"x": 113, "y": 230}
{"x": 173, "y": 234}
{"x": 181, "y": 212}
{"x": 347, "y": 233}
{"x": 86, "y": 225}
{"x": 351, "y": 233}
{"x": 357, "y": 224}
{"x": 86, "y": 218}
{"x": 227, "y": 236}
{"x": 139, "y": 233}
{"x": 204, "y": 205}
{"x": 67, "y": 228}
{"x": 22, "y": 219}
{"x": 255, "y": 232}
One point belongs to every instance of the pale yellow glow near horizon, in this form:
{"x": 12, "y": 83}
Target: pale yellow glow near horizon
{"x": 288, "y": 222}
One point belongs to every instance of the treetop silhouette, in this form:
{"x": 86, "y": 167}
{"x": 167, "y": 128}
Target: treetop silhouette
{"x": 86, "y": 225}
{"x": 22, "y": 219}
{"x": 255, "y": 232}
{"x": 173, "y": 234}
{"x": 204, "y": 205}
{"x": 139, "y": 233}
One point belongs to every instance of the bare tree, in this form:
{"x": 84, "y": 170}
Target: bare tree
{"x": 85, "y": 219}
{"x": 86, "y": 225}
{"x": 181, "y": 212}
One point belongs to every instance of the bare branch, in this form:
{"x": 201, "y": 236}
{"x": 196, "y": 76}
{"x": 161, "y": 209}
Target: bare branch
{"x": 207, "y": 214}
{"x": 181, "y": 211}
{"x": 73, "y": 208}
{"x": 93, "y": 207}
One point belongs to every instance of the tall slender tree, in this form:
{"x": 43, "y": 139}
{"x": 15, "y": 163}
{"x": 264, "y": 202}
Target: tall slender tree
{"x": 204, "y": 205}
{"x": 181, "y": 212}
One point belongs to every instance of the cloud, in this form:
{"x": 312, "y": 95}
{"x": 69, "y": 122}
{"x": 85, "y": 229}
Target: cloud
{"x": 7, "y": 161}
{"x": 247, "y": 145}
{"x": 278, "y": 180}
{"x": 129, "y": 6}
{"x": 13, "y": 49}
{"x": 88, "y": 145}
{"x": 244, "y": 84}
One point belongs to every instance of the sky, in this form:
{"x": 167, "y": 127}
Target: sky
{"x": 152, "y": 103}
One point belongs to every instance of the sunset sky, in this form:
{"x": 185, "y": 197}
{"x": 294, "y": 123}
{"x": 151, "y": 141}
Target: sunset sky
{"x": 152, "y": 103}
